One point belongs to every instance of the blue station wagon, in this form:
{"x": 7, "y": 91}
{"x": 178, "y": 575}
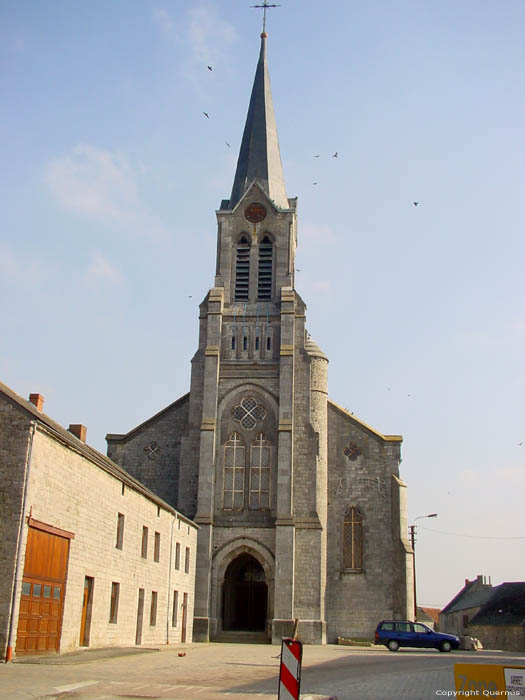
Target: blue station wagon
{"x": 403, "y": 633}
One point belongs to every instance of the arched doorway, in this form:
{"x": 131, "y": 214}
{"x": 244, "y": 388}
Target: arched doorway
{"x": 245, "y": 595}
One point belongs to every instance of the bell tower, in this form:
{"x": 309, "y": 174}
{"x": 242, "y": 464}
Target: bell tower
{"x": 240, "y": 443}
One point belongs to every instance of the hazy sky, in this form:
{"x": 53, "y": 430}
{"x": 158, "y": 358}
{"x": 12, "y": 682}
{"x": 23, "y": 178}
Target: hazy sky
{"x": 112, "y": 174}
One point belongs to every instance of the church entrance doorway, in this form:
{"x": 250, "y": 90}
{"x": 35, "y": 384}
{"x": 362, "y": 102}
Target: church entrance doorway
{"x": 245, "y": 595}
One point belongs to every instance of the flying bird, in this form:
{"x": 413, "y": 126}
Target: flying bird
{"x": 520, "y": 443}
{"x": 210, "y": 68}
{"x": 206, "y": 115}
{"x": 316, "y": 156}
{"x": 336, "y": 155}
{"x": 314, "y": 183}
{"x": 226, "y": 142}
{"x": 416, "y": 203}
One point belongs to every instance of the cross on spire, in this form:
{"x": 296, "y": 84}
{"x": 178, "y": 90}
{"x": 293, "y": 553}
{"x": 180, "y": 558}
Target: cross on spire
{"x": 264, "y": 7}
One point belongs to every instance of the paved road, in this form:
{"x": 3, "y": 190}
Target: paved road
{"x": 238, "y": 672}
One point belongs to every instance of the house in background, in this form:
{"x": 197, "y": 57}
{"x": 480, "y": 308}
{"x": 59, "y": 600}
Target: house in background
{"x": 500, "y": 624}
{"x": 456, "y": 616}
{"x": 88, "y": 555}
{"x": 428, "y": 616}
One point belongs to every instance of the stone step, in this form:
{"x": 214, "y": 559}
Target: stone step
{"x": 241, "y": 637}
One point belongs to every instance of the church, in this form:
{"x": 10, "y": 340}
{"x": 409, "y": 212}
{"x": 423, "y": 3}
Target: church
{"x": 300, "y": 506}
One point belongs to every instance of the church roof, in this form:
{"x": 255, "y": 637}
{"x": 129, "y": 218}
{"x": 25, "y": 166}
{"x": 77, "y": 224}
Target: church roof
{"x": 259, "y": 157}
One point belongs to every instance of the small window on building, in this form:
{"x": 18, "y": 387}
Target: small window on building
{"x": 352, "y": 539}
{"x": 233, "y": 342}
{"x": 144, "y": 548}
{"x": 242, "y": 270}
{"x": 113, "y": 609}
{"x": 245, "y": 343}
{"x": 187, "y": 561}
{"x": 153, "y": 610}
{"x": 175, "y": 612}
{"x": 120, "y": 531}
{"x": 268, "y": 343}
{"x": 156, "y": 551}
{"x": 177, "y": 555}
{"x": 257, "y": 342}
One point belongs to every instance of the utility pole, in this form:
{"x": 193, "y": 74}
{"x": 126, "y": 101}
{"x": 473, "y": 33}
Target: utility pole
{"x": 412, "y": 529}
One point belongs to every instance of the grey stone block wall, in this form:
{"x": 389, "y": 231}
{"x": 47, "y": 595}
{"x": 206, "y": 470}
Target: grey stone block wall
{"x": 151, "y": 453}
{"x": 357, "y": 600}
{"x": 15, "y": 432}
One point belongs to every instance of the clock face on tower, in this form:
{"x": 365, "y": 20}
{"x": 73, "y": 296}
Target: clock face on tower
{"x": 255, "y": 212}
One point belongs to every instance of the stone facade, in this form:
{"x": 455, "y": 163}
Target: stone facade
{"x": 456, "y": 616}
{"x": 53, "y": 482}
{"x": 301, "y": 510}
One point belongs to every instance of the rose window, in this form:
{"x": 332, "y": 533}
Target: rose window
{"x": 352, "y": 451}
{"x": 248, "y": 413}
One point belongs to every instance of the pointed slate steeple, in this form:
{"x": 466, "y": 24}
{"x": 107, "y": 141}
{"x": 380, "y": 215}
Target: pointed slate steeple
{"x": 259, "y": 157}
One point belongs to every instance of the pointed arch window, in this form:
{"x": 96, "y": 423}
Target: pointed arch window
{"x": 234, "y": 470}
{"x": 353, "y": 539}
{"x": 265, "y": 272}
{"x": 260, "y": 473}
{"x": 242, "y": 270}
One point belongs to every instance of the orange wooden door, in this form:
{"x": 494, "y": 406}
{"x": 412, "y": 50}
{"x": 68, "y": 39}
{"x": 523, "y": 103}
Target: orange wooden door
{"x": 43, "y": 584}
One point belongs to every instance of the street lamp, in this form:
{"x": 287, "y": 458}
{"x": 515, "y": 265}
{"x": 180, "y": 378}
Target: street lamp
{"x": 412, "y": 529}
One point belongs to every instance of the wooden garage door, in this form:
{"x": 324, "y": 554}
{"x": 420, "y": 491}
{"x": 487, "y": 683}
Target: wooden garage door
{"x": 43, "y": 587}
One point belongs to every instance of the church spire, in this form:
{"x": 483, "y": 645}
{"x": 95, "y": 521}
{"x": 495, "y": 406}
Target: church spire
{"x": 259, "y": 157}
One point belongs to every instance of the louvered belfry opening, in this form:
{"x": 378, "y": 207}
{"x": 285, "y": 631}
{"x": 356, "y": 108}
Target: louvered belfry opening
{"x": 242, "y": 270}
{"x": 264, "y": 286}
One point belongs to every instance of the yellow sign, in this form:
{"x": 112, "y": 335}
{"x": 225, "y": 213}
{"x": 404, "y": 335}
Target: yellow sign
{"x": 488, "y": 681}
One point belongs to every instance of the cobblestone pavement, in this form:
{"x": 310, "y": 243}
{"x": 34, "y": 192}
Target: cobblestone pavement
{"x": 237, "y": 672}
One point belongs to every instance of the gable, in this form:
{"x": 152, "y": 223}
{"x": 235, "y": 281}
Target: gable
{"x": 358, "y": 424}
{"x": 177, "y": 406}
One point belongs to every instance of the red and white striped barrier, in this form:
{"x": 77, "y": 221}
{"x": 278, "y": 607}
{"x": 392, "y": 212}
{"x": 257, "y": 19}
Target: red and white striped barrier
{"x": 290, "y": 674}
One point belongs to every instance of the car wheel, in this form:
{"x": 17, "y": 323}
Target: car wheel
{"x": 393, "y": 645}
{"x": 445, "y": 646}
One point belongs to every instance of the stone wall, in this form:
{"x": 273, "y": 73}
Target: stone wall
{"x": 15, "y": 438}
{"x": 70, "y": 493}
{"x": 71, "y": 487}
{"x": 506, "y": 637}
{"x": 358, "y": 598}
{"x": 151, "y": 452}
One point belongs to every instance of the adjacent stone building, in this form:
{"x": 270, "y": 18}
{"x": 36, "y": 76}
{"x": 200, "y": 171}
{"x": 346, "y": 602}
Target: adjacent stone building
{"x": 456, "y": 616}
{"x": 301, "y": 509}
{"x": 494, "y": 615}
{"x": 88, "y": 555}
{"x": 500, "y": 624}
